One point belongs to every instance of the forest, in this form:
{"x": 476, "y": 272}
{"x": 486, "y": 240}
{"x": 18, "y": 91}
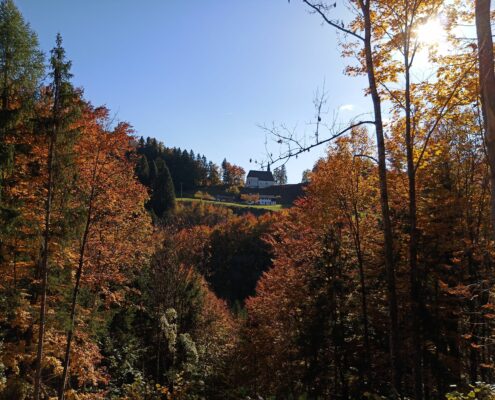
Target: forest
{"x": 378, "y": 283}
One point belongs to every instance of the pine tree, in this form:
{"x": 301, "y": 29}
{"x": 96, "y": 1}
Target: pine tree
{"x": 21, "y": 64}
{"x": 21, "y": 68}
{"x": 306, "y": 176}
{"x": 143, "y": 171}
{"x": 213, "y": 174}
{"x": 62, "y": 91}
{"x": 225, "y": 172}
{"x": 280, "y": 175}
{"x": 163, "y": 197}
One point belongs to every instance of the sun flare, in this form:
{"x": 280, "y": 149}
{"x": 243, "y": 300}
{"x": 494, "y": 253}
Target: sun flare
{"x": 433, "y": 34}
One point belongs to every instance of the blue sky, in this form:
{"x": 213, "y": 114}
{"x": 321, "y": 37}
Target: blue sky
{"x": 203, "y": 75}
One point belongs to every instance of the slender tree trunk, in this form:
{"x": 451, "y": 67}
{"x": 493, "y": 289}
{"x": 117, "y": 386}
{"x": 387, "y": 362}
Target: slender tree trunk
{"x": 395, "y": 362}
{"x": 413, "y": 231}
{"x": 473, "y": 322}
{"x": 70, "y": 332}
{"x": 364, "y": 300}
{"x": 487, "y": 87}
{"x": 46, "y": 243}
{"x": 44, "y": 265}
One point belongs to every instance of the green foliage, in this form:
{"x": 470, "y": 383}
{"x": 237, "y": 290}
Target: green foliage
{"x": 203, "y": 195}
{"x": 306, "y": 176}
{"x": 280, "y": 175}
{"x": 21, "y": 69}
{"x": 480, "y": 390}
{"x": 187, "y": 169}
{"x": 21, "y": 61}
{"x": 234, "y": 190}
{"x": 123, "y": 362}
{"x": 236, "y": 257}
{"x": 168, "y": 327}
{"x": 143, "y": 171}
{"x": 162, "y": 200}
{"x": 193, "y": 213}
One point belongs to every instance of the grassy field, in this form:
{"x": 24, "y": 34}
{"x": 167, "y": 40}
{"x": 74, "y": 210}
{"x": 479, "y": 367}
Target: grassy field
{"x": 276, "y": 207}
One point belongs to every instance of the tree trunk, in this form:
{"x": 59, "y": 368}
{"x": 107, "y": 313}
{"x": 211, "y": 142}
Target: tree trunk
{"x": 413, "y": 232}
{"x": 46, "y": 243}
{"x": 70, "y": 332}
{"x": 44, "y": 265}
{"x": 364, "y": 300}
{"x": 395, "y": 363}
{"x": 487, "y": 87}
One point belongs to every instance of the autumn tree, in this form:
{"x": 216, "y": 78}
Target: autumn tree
{"x": 487, "y": 83}
{"x": 111, "y": 200}
{"x": 363, "y": 31}
{"x": 232, "y": 175}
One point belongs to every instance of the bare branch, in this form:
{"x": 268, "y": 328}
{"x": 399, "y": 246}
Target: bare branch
{"x": 320, "y": 8}
{"x": 295, "y": 145}
{"x": 366, "y": 156}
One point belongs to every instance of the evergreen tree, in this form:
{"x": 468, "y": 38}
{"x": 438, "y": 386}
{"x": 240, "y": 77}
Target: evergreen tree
{"x": 306, "y": 176}
{"x": 62, "y": 94}
{"x": 162, "y": 199}
{"x": 21, "y": 62}
{"x": 213, "y": 174}
{"x": 143, "y": 171}
{"x": 21, "y": 68}
{"x": 153, "y": 172}
{"x": 280, "y": 175}
{"x": 225, "y": 172}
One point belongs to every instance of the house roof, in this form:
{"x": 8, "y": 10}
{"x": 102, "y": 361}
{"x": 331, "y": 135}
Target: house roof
{"x": 261, "y": 175}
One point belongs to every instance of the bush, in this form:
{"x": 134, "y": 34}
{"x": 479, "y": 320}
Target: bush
{"x": 480, "y": 390}
{"x": 203, "y": 195}
{"x": 234, "y": 190}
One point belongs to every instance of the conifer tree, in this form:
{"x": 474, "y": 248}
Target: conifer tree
{"x": 153, "y": 172}
{"x": 143, "y": 171}
{"x": 280, "y": 175}
{"x": 163, "y": 197}
{"x": 21, "y": 68}
{"x": 61, "y": 90}
{"x": 225, "y": 172}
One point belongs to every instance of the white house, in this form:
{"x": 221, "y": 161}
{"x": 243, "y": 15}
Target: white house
{"x": 259, "y": 179}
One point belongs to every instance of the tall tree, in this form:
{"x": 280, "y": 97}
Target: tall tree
{"x": 111, "y": 200}
{"x": 163, "y": 196}
{"x": 306, "y": 176}
{"x": 280, "y": 175}
{"x": 365, "y": 21}
{"x": 213, "y": 174}
{"x": 21, "y": 68}
{"x": 143, "y": 170}
{"x": 225, "y": 172}
{"x": 487, "y": 85}
{"x": 61, "y": 90}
